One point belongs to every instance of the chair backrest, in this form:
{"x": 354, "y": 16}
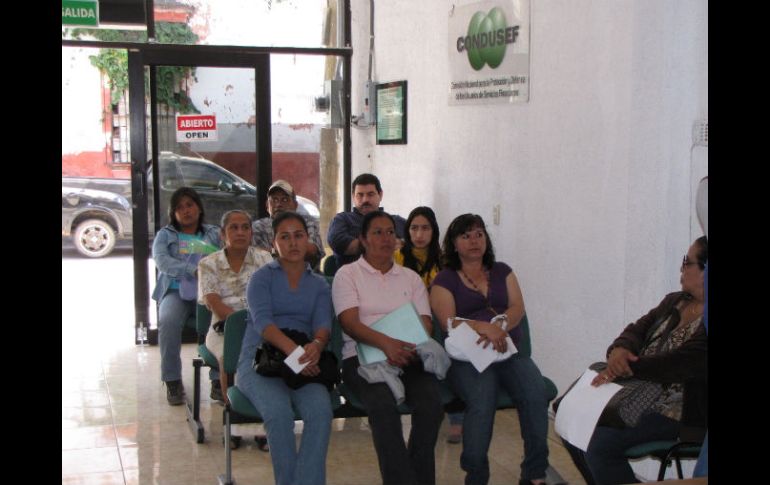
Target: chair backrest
{"x": 202, "y": 319}
{"x": 329, "y": 265}
{"x": 438, "y": 334}
{"x": 235, "y": 328}
{"x": 335, "y": 339}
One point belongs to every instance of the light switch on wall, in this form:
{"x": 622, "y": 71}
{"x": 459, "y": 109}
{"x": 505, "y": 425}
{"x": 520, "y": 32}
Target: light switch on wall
{"x": 496, "y": 214}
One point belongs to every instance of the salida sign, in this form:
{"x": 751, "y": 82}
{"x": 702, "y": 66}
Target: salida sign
{"x": 196, "y": 128}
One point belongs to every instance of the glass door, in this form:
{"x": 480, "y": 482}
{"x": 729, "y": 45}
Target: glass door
{"x": 198, "y": 119}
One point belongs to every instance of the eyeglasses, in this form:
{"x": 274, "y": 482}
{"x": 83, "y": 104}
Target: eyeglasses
{"x": 686, "y": 262}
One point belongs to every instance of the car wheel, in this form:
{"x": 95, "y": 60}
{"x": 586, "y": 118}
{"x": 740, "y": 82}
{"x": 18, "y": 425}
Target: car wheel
{"x": 94, "y": 238}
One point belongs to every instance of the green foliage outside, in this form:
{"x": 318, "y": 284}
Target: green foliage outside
{"x": 114, "y": 63}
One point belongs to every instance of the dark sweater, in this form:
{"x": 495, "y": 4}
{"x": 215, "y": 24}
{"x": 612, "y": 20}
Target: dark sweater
{"x": 685, "y": 364}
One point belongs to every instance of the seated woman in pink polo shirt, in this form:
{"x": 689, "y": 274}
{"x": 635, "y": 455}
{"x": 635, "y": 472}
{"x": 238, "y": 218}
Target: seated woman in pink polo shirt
{"x": 363, "y": 292}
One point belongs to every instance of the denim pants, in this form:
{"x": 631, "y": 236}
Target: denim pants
{"x": 702, "y": 465}
{"x": 605, "y": 463}
{"x": 456, "y": 418}
{"x": 274, "y": 399}
{"x": 522, "y": 379}
{"x": 173, "y": 312}
{"x": 401, "y": 463}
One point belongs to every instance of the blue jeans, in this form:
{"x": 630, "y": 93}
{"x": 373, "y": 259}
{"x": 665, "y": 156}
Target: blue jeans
{"x": 400, "y": 463}
{"x": 702, "y": 465}
{"x": 605, "y": 463}
{"x": 274, "y": 399}
{"x": 522, "y": 379}
{"x": 456, "y": 418}
{"x": 173, "y": 312}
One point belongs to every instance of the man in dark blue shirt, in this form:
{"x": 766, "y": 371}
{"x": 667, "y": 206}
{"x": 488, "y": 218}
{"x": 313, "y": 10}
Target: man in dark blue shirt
{"x": 346, "y": 226}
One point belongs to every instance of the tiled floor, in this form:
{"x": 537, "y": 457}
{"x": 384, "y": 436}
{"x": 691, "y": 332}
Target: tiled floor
{"x": 118, "y": 429}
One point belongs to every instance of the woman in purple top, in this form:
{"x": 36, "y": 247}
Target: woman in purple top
{"x": 475, "y": 287}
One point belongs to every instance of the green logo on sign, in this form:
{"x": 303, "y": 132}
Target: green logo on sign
{"x": 488, "y": 34}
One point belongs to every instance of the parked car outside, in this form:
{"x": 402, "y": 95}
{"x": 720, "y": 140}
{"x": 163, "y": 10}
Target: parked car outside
{"x": 96, "y": 212}
{"x": 94, "y": 218}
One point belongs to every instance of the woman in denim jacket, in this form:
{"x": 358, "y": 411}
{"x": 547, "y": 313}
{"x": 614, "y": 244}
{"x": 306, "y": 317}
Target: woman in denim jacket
{"x": 185, "y": 211}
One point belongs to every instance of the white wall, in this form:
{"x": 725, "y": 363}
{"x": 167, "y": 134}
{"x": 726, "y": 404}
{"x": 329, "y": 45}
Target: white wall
{"x": 81, "y": 104}
{"x": 592, "y": 174}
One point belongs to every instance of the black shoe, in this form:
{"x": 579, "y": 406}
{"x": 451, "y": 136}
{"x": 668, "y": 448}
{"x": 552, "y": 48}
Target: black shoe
{"x": 216, "y": 391}
{"x": 262, "y": 443}
{"x": 175, "y": 393}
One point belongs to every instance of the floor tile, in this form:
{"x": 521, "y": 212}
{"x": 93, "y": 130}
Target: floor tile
{"x": 118, "y": 428}
{"x": 89, "y": 437}
{"x": 92, "y": 460}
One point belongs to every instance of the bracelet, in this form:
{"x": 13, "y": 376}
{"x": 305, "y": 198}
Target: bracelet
{"x": 318, "y": 342}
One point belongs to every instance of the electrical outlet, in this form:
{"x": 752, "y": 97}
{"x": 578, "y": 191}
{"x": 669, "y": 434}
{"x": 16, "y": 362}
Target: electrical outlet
{"x": 700, "y": 133}
{"x": 496, "y": 214}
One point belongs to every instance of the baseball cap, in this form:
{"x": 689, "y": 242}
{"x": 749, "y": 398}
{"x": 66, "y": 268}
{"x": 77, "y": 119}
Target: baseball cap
{"x": 283, "y": 185}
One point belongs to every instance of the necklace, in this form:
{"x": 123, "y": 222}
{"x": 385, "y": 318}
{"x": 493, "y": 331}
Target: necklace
{"x": 473, "y": 284}
{"x": 478, "y": 290}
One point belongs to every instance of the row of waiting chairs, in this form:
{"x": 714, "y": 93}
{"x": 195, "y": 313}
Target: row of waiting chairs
{"x": 345, "y": 404}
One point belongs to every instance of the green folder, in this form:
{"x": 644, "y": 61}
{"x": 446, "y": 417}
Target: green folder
{"x": 403, "y": 323}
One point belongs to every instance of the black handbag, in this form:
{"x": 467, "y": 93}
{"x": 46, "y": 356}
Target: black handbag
{"x": 268, "y": 362}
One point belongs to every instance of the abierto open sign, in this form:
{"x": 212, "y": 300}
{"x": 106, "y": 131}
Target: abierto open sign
{"x": 196, "y": 128}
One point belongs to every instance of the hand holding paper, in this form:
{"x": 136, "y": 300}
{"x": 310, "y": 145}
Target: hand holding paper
{"x": 292, "y": 360}
{"x": 398, "y": 352}
{"x": 403, "y": 330}
{"x": 581, "y": 408}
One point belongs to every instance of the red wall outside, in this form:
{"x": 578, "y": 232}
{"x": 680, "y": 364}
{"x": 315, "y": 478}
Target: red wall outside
{"x": 300, "y": 169}
{"x": 91, "y": 164}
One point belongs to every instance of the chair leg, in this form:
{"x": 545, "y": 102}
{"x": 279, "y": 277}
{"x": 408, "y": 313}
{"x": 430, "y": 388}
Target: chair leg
{"x": 673, "y": 455}
{"x": 194, "y": 409}
{"x": 679, "y": 473}
{"x": 227, "y": 478}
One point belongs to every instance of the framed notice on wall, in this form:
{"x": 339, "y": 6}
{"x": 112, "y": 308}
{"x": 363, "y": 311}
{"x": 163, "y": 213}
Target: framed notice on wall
{"x": 391, "y": 113}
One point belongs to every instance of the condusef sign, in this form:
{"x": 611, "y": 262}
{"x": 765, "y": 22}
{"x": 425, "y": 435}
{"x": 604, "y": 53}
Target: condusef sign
{"x": 489, "y": 52}
{"x": 196, "y": 128}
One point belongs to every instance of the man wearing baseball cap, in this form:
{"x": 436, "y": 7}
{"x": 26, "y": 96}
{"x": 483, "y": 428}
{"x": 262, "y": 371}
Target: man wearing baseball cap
{"x": 280, "y": 198}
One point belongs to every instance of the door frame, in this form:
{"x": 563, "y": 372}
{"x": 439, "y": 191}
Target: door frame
{"x": 138, "y": 61}
{"x": 153, "y": 55}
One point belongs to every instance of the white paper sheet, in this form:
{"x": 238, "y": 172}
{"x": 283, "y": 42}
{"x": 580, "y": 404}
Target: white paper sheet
{"x": 581, "y": 408}
{"x": 465, "y": 338}
{"x": 292, "y": 360}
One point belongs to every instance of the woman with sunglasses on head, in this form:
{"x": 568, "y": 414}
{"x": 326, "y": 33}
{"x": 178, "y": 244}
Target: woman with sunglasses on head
{"x": 668, "y": 347}
{"x": 476, "y": 288}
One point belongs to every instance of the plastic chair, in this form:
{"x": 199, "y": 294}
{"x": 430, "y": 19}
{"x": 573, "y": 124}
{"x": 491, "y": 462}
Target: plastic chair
{"x": 665, "y": 451}
{"x": 205, "y": 357}
{"x": 329, "y": 266}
